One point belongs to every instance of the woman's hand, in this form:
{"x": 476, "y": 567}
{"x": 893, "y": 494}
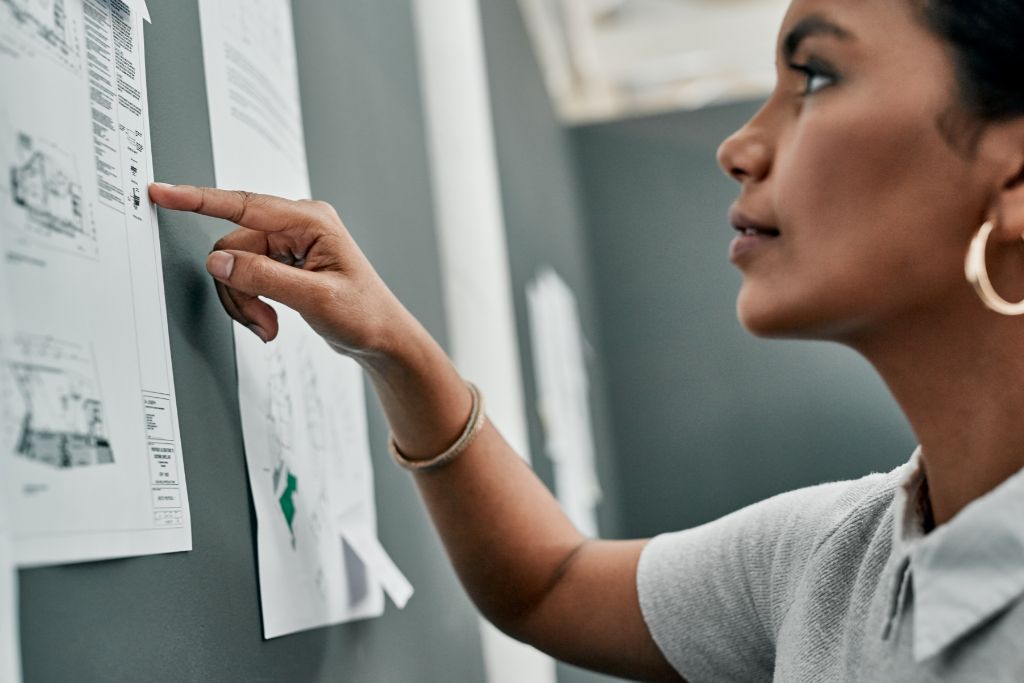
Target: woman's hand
{"x": 519, "y": 557}
{"x": 299, "y": 254}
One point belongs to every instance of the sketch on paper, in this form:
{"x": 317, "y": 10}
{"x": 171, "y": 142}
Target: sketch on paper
{"x": 45, "y": 189}
{"x": 61, "y": 421}
{"x": 45, "y": 24}
{"x": 302, "y": 501}
{"x": 259, "y": 25}
{"x": 90, "y": 438}
{"x": 280, "y": 420}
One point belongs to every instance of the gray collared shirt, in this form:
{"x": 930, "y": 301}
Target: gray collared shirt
{"x": 838, "y": 582}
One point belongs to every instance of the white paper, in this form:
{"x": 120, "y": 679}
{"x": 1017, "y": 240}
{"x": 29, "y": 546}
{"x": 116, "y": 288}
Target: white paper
{"x": 302, "y": 405}
{"x": 90, "y": 432}
{"x": 376, "y": 559}
{"x": 562, "y": 383}
{"x": 10, "y": 656}
{"x": 304, "y": 423}
{"x": 10, "y": 668}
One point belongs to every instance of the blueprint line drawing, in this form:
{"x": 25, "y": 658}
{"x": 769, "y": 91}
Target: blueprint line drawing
{"x": 90, "y": 442}
{"x": 46, "y": 24}
{"x": 280, "y": 419}
{"x": 302, "y": 405}
{"x": 62, "y": 422}
{"x": 45, "y": 189}
{"x": 252, "y": 31}
{"x": 303, "y": 501}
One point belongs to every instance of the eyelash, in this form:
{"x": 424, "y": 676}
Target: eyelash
{"x": 811, "y": 70}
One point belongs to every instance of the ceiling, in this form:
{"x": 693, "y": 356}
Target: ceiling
{"x": 611, "y": 59}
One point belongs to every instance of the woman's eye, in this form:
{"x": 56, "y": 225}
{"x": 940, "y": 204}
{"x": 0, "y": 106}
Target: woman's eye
{"x": 816, "y": 78}
{"x": 816, "y": 82}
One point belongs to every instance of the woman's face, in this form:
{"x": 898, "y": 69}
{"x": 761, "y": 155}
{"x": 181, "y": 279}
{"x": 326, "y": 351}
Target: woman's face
{"x": 873, "y": 206}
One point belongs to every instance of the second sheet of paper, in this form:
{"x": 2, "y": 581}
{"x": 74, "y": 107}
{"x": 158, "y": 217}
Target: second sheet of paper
{"x": 302, "y": 405}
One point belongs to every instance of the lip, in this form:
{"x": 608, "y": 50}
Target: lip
{"x": 746, "y": 243}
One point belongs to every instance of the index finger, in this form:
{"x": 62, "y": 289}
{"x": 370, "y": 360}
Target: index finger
{"x": 256, "y": 211}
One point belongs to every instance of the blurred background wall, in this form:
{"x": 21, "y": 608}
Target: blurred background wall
{"x": 706, "y": 417}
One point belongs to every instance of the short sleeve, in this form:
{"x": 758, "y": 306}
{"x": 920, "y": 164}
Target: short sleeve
{"x": 714, "y": 596}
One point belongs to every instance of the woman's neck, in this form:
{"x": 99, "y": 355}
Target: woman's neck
{"x": 960, "y": 382}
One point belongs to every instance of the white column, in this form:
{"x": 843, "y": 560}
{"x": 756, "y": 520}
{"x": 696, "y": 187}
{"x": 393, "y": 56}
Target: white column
{"x": 474, "y": 254}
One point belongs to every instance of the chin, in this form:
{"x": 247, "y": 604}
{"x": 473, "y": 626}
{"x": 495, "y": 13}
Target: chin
{"x": 770, "y": 317}
{"x": 761, "y": 323}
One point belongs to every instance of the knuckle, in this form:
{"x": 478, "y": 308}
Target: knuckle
{"x": 325, "y": 210}
{"x": 201, "y": 204}
{"x": 245, "y": 199}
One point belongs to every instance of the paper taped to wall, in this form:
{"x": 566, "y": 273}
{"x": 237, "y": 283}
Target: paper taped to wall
{"x": 376, "y": 559}
{"x": 10, "y": 668}
{"x": 90, "y": 432}
{"x": 562, "y": 387}
{"x": 302, "y": 404}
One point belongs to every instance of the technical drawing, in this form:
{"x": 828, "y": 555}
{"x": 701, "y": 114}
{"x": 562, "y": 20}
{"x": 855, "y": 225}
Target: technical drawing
{"x": 48, "y": 192}
{"x": 314, "y": 412}
{"x": 259, "y": 24}
{"x": 44, "y": 188}
{"x": 281, "y": 423}
{"x": 61, "y": 422}
{"x": 47, "y": 25}
{"x": 298, "y": 447}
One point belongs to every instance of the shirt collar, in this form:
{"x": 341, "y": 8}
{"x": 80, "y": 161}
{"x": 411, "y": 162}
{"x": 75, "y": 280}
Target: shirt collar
{"x": 965, "y": 571}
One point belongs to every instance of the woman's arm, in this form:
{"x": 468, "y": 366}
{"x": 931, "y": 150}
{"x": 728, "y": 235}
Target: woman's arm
{"x": 520, "y": 559}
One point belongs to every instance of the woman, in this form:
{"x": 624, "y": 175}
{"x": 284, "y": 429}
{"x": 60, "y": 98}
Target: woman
{"x": 895, "y": 132}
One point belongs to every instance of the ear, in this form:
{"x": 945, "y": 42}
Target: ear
{"x": 1008, "y": 209}
{"x": 1010, "y": 214}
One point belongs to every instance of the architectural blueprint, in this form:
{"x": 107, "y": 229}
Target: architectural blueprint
{"x": 88, "y": 430}
{"x": 303, "y": 419}
{"x": 45, "y": 188}
{"x": 9, "y": 650}
{"x": 9, "y": 635}
{"x": 62, "y": 423}
{"x": 302, "y": 404}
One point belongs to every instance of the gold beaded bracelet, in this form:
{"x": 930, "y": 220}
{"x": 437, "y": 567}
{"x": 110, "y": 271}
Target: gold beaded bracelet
{"x": 477, "y": 417}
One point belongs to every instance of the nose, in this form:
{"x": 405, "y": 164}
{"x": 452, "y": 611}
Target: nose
{"x": 745, "y": 156}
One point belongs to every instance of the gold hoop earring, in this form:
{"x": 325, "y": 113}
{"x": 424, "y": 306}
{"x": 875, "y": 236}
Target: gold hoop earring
{"x": 977, "y": 275}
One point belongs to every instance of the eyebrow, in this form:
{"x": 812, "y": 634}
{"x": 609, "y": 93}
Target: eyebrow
{"x": 813, "y": 25}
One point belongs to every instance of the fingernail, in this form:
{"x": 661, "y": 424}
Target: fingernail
{"x": 163, "y": 185}
{"x": 259, "y": 332}
{"x": 220, "y": 264}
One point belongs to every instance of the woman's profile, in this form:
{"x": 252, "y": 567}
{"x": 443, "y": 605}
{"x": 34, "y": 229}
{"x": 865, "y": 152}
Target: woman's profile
{"x": 881, "y": 206}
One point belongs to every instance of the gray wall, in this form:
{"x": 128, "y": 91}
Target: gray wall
{"x": 545, "y": 226}
{"x": 544, "y": 220}
{"x": 707, "y": 418}
{"x": 195, "y": 616}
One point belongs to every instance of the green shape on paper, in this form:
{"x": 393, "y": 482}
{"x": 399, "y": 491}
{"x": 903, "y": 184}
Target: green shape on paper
{"x": 287, "y": 501}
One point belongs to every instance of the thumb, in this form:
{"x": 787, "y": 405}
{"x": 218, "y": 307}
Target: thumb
{"x": 258, "y": 275}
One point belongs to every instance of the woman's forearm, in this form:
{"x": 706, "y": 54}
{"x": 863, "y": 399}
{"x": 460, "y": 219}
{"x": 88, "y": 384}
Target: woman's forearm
{"x": 506, "y": 535}
{"x": 518, "y": 556}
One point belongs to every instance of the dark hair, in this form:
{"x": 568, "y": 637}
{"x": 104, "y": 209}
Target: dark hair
{"x": 987, "y": 39}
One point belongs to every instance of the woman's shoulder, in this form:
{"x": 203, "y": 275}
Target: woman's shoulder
{"x": 854, "y": 506}
{"x": 737, "y": 575}
{"x": 778, "y": 539}
{"x": 812, "y": 515}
